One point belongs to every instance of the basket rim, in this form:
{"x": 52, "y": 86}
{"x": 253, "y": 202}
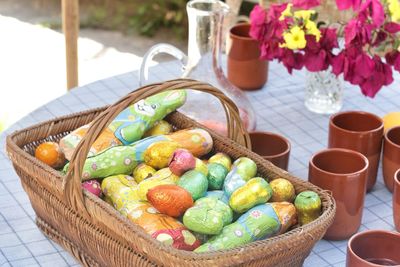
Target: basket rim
{"x": 261, "y": 245}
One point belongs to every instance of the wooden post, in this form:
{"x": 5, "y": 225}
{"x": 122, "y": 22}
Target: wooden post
{"x": 70, "y": 18}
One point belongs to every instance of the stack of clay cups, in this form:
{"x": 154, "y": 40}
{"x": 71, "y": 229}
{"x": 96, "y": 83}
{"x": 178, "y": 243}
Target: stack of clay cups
{"x": 348, "y": 167}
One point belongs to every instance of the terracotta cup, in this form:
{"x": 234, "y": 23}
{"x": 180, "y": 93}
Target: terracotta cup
{"x": 373, "y": 248}
{"x": 391, "y": 156}
{"x": 272, "y": 147}
{"x": 359, "y": 131}
{"x": 245, "y": 69}
{"x": 344, "y": 172}
{"x": 396, "y": 200}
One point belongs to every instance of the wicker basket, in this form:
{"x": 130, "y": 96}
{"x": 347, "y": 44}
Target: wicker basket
{"x": 97, "y": 235}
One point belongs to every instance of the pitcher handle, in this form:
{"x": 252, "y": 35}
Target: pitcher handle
{"x": 155, "y": 50}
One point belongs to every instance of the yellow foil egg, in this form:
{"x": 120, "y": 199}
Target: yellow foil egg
{"x": 142, "y": 172}
{"x": 255, "y": 191}
{"x": 201, "y": 167}
{"x": 159, "y": 154}
{"x": 120, "y": 190}
{"x": 283, "y": 190}
{"x": 161, "y": 177}
{"x": 159, "y": 128}
{"x": 222, "y": 159}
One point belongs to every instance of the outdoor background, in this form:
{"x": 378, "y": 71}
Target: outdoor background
{"x": 114, "y": 36}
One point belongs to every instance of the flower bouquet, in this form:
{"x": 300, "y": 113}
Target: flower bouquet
{"x": 292, "y": 34}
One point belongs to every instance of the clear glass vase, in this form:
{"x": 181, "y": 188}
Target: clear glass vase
{"x": 324, "y": 92}
{"x": 203, "y": 63}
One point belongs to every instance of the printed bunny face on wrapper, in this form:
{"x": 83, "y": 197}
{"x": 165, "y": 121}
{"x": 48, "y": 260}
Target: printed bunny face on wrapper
{"x": 133, "y": 121}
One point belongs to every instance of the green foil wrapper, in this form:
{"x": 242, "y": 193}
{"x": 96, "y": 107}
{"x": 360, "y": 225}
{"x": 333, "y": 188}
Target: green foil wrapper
{"x": 308, "y": 205}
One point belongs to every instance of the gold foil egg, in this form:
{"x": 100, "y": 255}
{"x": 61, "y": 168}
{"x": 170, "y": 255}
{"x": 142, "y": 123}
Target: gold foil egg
{"x": 161, "y": 177}
{"x": 160, "y": 153}
{"x": 142, "y": 172}
{"x": 283, "y": 190}
{"x": 159, "y": 128}
{"x": 222, "y": 159}
{"x": 201, "y": 167}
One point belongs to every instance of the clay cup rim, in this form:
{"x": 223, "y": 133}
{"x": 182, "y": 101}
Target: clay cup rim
{"x": 277, "y": 136}
{"x": 236, "y": 32}
{"x": 335, "y": 117}
{"x": 397, "y": 177}
{"x": 363, "y": 234}
{"x": 388, "y": 137}
{"x": 339, "y": 150}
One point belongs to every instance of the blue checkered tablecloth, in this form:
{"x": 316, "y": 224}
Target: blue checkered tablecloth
{"x": 279, "y": 107}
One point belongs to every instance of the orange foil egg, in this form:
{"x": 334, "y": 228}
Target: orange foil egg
{"x": 51, "y": 154}
{"x": 171, "y": 200}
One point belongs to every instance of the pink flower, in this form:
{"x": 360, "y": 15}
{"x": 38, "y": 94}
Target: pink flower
{"x": 338, "y": 64}
{"x": 357, "y": 33}
{"x": 291, "y": 60}
{"x": 258, "y": 19}
{"x": 276, "y": 10}
{"x": 393, "y": 58}
{"x": 373, "y": 9}
{"x": 367, "y": 30}
{"x": 306, "y": 4}
{"x": 318, "y": 55}
{"x": 316, "y": 61}
{"x": 392, "y": 27}
{"x": 380, "y": 37}
{"x": 346, "y": 4}
{"x": 364, "y": 67}
{"x": 267, "y": 29}
{"x": 382, "y": 76}
{"x": 329, "y": 38}
{"x": 270, "y": 50}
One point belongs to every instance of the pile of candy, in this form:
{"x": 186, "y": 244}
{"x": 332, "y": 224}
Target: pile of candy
{"x": 163, "y": 184}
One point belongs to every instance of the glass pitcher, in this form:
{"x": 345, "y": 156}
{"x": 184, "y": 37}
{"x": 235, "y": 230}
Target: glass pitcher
{"x": 203, "y": 63}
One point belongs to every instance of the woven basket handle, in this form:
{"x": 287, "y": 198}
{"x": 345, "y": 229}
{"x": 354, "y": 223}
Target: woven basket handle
{"x": 72, "y": 183}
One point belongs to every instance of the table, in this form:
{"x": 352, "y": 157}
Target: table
{"x": 279, "y": 106}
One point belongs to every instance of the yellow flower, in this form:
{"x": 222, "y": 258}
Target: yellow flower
{"x": 394, "y": 9}
{"x": 286, "y": 12}
{"x": 312, "y": 29}
{"x": 294, "y": 39}
{"x": 304, "y": 14}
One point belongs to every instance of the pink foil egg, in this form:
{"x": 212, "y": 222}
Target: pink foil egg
{"x": 181, "y": 162}
{"x": 93, "y": 186}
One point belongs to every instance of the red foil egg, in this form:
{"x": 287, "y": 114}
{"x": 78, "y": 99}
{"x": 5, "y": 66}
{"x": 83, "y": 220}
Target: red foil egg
{"x": 171, "y": 200}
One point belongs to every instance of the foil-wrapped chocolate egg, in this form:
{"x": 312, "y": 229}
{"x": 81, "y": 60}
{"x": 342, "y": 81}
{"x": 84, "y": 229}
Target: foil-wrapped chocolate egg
{"x": 255, "y": 191}
{"x": 159, "y": 128}
{"x": 171, "y": 200}
{"x": 216, "y": 176}
{"x": 283, "y": 190}
{"x": 142, "y": 172}
{"x": 93, "y": 186}
{"x": 201, "y": 167}
{"x": 308, "y": 205}
{"x": 222, "y": 159}
{"x": 195, "y": 183}
{"x": 181, "y": 162}
{"x": 161, "y": 177}
{"x": 159, "y": 154}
